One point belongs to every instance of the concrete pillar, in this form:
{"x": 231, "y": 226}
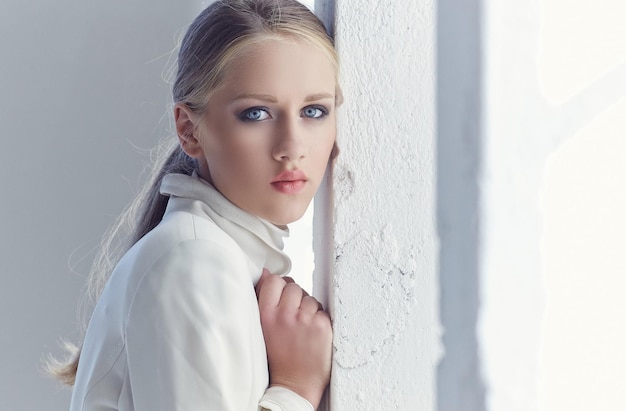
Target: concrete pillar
{"x": 384, "y": 251}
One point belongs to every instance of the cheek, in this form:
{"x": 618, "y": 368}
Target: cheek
{"x": 322, "y": 153}
{"x": 228, "y": 142}
{"x": 326, "y": 144}
{"x": 239, "y": 161}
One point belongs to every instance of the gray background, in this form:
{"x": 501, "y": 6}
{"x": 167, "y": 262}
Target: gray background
{"x": 82, "y": 99}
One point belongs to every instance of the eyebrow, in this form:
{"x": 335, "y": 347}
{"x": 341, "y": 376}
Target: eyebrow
{"x": 271, "y": 99}
{"x": 319, "y": 96}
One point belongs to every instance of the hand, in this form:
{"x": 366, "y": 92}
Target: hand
{"x": 298, "y": 337}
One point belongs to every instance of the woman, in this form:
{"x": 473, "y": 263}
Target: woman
{"x": 179, "y": 325}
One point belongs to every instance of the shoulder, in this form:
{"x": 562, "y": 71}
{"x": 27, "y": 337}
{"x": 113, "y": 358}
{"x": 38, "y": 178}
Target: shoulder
{"x": 183, "y": 253}
{"x": 191, "y": 276}
{"x": 185, "y": 243}
{"x": 180, "y": 234}
{"x": 192, "y": 268}
{"x": 182, "y": 226}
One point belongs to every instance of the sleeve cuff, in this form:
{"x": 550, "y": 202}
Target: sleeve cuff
{"x": 283, "y": 399}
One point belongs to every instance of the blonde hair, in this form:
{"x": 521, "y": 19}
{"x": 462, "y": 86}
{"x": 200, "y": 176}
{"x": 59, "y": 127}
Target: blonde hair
{"x": 213, "y": 40}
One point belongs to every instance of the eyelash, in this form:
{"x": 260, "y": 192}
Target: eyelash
{"x": 243, "y": 116}
{"x": 322, "y": 109}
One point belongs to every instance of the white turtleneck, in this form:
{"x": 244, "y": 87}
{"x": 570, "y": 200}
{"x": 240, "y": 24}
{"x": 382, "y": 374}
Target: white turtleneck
{"x": 177, "y": 326}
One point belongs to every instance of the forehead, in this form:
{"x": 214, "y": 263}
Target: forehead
{"x": 280, "y": 65}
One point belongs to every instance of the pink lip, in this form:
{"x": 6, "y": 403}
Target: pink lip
{"x": 289, "y": 182}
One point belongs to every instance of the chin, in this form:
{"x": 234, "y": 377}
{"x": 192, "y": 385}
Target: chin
{"x": 286, "y": 218}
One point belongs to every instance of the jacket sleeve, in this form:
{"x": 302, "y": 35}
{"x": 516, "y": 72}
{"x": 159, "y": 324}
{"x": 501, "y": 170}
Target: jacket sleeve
{"x": 283, "y": 399}
{"x": 189, "y": 335}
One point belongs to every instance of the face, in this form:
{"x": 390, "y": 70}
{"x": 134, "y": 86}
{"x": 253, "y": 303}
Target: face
{"x": 266, "y": 137}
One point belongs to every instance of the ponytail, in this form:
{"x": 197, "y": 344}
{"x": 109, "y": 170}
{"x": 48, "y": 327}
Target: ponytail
{"x": 154, "y": 202}
{"x": 141, "y": 216}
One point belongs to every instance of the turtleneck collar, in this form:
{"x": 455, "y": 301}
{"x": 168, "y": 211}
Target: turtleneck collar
{"x": 261, "y": 240}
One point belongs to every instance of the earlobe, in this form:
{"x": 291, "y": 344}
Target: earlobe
{"x": 334, "y": 152}
{"x": 186, "y": 130}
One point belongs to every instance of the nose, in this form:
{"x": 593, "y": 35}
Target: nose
{"x": 290, "y": 141}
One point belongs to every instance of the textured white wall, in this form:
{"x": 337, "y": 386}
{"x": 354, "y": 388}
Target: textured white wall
{"x": 383, "y": 296}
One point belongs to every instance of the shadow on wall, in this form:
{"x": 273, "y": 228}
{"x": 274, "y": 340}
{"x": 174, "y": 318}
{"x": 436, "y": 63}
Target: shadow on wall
{"x": 459, "y": 162}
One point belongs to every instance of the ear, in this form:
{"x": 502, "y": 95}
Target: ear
{"x": 186, "y": 125}
{"x": 334, "y": 152}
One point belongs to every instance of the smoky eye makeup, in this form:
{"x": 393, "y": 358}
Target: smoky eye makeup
{"x": 314, "y": 111}
{"x": 260, "y": 113}
{"x": 254, "y": 114}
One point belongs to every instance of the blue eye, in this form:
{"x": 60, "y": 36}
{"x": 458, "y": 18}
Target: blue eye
{"x": 314, "y": 111}
{"x": 254, "y": 114}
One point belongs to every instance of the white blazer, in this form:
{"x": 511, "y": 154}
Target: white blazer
{"x": 177, "y": 326}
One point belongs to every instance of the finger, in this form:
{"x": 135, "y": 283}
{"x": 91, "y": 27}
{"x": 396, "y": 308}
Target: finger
{"x": 324, "y": 317}
{"x": 310, "y": 305}
{"x": 271, "y": 291}
{"x": 291, "y": 297}
{"x": 291, "y": 280}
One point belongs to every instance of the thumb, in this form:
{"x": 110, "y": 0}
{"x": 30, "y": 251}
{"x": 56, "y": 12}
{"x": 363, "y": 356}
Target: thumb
{"x": 259, "y": 283}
